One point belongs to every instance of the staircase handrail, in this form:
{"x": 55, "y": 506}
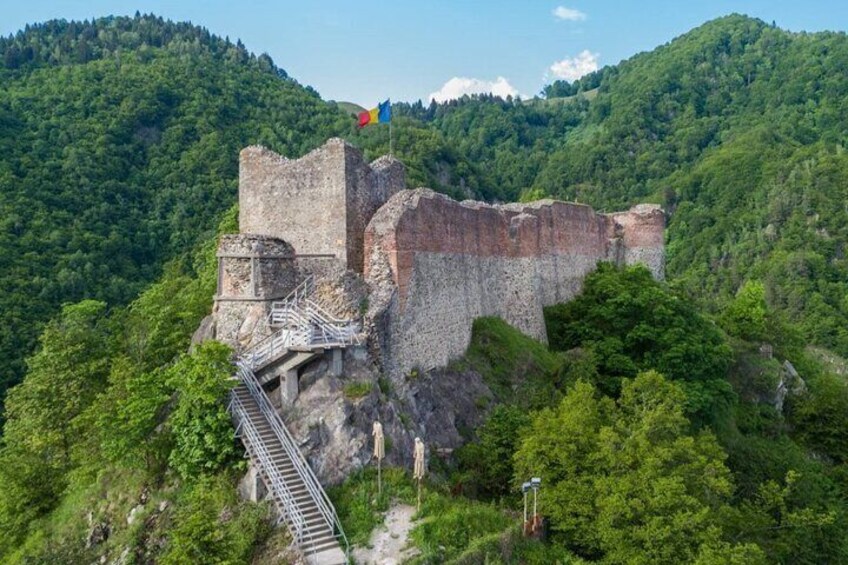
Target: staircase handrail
{"x": 304, "y": 471}
{"x": 313, "y": 313}
{"x": 276, "y": 344}
{"x": 291, "y": 510}
{"x": 305, "y": 326}
{"x": 304, "y": 290}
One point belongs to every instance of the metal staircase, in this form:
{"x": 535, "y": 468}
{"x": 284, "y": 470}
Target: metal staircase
{"x": 301, "y": 502}
{"x": 300, "y": 323}
{"x": 302, "y": 330}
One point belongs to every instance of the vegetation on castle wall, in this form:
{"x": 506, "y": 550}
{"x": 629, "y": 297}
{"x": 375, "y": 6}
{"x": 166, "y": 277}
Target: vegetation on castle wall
{"x": 517, "y": 368}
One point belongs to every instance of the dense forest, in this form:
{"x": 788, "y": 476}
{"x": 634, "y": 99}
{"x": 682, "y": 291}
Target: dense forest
{"x": 653, "y": 414}
{"x": 119, "y": 143}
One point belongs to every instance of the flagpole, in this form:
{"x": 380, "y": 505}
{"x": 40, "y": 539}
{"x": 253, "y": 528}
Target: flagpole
{"x": 391, "y": 145}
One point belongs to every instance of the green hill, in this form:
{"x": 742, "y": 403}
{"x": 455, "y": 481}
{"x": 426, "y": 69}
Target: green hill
{"x": 350, "y": 107}
{"x": 119, "y": 141}
{"x": 118, "y": 167}
{"x": 737, "y": 128}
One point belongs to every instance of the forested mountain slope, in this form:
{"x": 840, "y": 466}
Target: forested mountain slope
{"x": 119, "y": 143}
{"x": 737, "y": 128}
{"x": 120, "y": 140}
{"x": 118, "y": 155}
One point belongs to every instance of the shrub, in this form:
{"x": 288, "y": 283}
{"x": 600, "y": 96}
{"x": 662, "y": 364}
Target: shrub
{"x": 633, "y": 323}
{"x": 357, "y": 389}
{"x": 210, "y": 525}
{"x": 201, "y": 427}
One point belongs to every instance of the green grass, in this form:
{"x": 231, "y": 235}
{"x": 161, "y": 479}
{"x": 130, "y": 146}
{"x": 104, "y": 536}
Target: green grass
{"x": 559, "y": 100}
{"x": 350, "y": 107}
{"x": 359, "y": 505}
{"x": 511, "y": 364}
{"x": 448, "y": 529}
{"x": 449, "y": 525}
{"x": 357, "y": 389}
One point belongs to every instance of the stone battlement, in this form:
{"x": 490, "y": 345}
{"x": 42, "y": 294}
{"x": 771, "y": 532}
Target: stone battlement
{"x": 435, "y": 264}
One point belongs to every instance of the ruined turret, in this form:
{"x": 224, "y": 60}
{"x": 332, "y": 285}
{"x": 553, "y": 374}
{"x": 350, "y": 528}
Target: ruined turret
{"x": 320, "y": 203}
{"x": 253, "y": 271}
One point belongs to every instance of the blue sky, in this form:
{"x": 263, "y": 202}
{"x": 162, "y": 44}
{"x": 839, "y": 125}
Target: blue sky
{"x": 369, "y": 50}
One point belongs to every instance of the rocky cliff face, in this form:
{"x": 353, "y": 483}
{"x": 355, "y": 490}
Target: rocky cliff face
{"x": 333, "y": 416}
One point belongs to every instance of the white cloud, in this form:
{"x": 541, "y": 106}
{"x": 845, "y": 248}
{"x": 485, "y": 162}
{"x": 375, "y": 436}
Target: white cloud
{"x": 571, "y": 69}
{"x": 457, "y": 87}
{"x": 569, "y": 14}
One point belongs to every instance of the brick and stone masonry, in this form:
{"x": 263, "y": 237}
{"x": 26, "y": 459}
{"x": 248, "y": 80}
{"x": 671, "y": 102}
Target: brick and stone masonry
{"x": 432, "y": 264}
{"x": 253, "y": 271}
{"x": 435, "y": 264}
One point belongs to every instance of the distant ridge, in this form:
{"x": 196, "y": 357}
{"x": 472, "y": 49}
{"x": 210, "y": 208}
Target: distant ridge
{"x": 350, "y": 107}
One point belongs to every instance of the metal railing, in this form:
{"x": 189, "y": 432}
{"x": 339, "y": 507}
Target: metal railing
{"x": 275, "y": 345}
{"x": 304, "y": 290}
{"x": 291, "y": 512}
{"x": 302, "y": 323}
{"x": 304, "y": 471}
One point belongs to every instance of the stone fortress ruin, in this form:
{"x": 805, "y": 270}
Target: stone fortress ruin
{"x": 415, "y": 266}
{"x": 345, "y": 297}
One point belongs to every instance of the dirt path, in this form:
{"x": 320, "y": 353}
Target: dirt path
{"x": 388, "y": 543}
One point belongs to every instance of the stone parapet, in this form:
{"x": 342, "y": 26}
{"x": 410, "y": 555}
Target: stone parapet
{"x": 254, "y": 267}
{"x": 253, "y": 271}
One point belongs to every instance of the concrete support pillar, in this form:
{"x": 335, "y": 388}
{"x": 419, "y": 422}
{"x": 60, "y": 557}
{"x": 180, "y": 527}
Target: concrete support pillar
{"x": 289, "y": 388}
{"x": 251, "y": 487}
{"x": 336, "y": 366}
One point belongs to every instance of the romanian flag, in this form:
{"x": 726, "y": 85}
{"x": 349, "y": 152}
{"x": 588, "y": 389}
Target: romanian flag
{"x": 382, "y": 114}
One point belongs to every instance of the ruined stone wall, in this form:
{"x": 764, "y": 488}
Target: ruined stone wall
{"x": 643, "y": 239}
{"x": 368, "y": 188}
{"x": 253, "y": 271}
{"x": 434, "y": 265}
{"x": 320, "y": 203}
{"x": 300, "y": 201}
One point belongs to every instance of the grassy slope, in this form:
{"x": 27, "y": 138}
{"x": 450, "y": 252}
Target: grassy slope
{"x": 517, "y": 368}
